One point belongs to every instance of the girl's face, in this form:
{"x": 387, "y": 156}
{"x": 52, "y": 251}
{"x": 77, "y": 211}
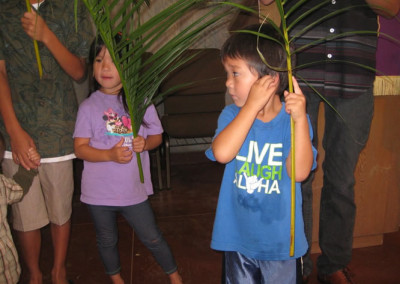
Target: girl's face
{"x": 106, "y": 73}
{"x": 239, "y": 79}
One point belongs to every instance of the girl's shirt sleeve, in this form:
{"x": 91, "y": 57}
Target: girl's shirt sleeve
{"x": 151, "y": 124}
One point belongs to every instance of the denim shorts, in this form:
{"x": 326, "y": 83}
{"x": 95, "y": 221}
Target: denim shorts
{"x": 240, "y": 269}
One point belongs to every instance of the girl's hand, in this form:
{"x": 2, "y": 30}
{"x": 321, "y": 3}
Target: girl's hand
{"x": 34, "y": 156}
{"x": 295, "y": 102}
{"x": 34, "y": 25}
{"x": 120, "y": 154}
{"x": 138, "y": 144}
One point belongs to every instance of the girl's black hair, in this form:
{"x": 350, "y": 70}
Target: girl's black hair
{"x": 244, "y": 45}
{"x": 95, "y": 49}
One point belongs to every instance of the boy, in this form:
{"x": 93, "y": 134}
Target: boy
{"x": 11, "y": 191}
{"x": 40, "y": 114}
{"x": 252, "y": 223}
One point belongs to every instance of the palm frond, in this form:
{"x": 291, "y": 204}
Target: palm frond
{"x": 142, "y": 71}
{"x": 35, "y": 46}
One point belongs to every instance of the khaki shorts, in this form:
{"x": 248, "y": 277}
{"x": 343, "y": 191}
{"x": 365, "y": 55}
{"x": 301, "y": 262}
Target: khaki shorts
{"x": 49, "y": 199}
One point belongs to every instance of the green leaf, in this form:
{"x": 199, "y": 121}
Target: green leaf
{"x": 141, "y": 76}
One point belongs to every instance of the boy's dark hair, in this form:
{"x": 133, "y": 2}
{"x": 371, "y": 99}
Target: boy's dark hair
{"x": 243, "y": 45}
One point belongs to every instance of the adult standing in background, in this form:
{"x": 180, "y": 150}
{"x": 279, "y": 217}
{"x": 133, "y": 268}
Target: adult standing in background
{"x": 40, "y": 113}
{"x": 349, "y": 88}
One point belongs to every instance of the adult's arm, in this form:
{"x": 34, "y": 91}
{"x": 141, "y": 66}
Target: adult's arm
{"x": 20, "y": 141}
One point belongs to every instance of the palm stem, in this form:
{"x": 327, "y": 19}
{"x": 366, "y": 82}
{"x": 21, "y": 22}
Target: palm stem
{"x": 35, "y": 45}
{"x": 292, "y": 137}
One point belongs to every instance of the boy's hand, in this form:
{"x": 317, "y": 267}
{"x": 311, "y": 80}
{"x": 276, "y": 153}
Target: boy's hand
{"x": 120, "y": 154}
{"x": 262, "y": 90}
{"x": 138, "y": 144}
{"x": 34, "y": 25}
{"x": 295, "y": 102}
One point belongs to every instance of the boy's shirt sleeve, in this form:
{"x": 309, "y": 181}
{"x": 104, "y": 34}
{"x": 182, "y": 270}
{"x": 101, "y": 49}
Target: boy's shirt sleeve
{"x": 226, "y": 117}
{"x": 314, "y": 150}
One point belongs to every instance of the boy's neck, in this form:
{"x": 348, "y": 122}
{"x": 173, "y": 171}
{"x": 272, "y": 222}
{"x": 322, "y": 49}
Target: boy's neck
{"x": 271, "y": 109}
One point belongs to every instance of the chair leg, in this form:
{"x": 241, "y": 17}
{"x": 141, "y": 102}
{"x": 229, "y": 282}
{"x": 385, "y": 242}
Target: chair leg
{"x": 167, "y": 161}
{"x": 158, "y": 160}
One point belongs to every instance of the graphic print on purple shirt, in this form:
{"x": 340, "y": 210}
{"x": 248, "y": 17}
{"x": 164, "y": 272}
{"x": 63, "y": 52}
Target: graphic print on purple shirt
{"x": 118, "y": 126}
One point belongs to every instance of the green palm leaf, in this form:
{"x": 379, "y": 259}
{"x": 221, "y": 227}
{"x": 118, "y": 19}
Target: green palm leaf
{"x": 35, "y": 45}
{"x": 142, "y": 75}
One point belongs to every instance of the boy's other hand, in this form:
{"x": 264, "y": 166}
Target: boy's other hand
{"x": 295, "y": 102}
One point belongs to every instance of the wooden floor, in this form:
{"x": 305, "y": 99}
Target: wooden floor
{"x": 185, "y": 214}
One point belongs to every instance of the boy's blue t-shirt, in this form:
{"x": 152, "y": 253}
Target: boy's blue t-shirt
{"x": 253, "y": 212}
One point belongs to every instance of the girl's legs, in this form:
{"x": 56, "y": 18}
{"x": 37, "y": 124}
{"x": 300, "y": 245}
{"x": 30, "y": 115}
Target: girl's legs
{"x": 104, "y": 219}
{"x": 141, "y": 219}
{"x": 117, "y": 279}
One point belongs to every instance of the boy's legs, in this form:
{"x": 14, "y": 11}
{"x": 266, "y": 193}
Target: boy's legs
{"x": 48, "y": 200}
{"x": 30, "y": 243}
{"x": 29, "y": 237}
{"x": 58, "y": 187}
{"x": 241, "y": 269}
{"x": 60, "y": 238}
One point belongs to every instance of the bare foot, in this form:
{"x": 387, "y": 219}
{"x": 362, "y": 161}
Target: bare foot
{"x": 175, "y": 278}
{"x": 117, "y": 279}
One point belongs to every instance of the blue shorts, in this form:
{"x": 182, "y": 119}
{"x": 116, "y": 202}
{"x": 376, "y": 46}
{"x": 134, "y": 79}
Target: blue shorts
{"x": 240, "y": 269}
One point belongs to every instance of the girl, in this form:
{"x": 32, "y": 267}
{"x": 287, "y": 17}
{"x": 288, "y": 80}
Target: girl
{"x": 110, "y": 179}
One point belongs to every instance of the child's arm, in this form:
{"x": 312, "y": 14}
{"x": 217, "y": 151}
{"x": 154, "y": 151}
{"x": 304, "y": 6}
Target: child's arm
{"x": 296, "y": 107}
{"x": 139, "y": 144}
{"x": 37, "y": 29}
{"x": 228, "y": 142}
{"x": 118, "y": 153}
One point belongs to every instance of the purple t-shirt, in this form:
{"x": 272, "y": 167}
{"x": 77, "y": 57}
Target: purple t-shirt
{"x": 102, "y": 118}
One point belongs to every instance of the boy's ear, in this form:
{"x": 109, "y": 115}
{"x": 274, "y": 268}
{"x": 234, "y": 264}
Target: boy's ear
{"x": 276, "y": 79}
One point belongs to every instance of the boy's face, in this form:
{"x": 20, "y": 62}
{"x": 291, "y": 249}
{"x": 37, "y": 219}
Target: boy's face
{"x": 239, "y": 79}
